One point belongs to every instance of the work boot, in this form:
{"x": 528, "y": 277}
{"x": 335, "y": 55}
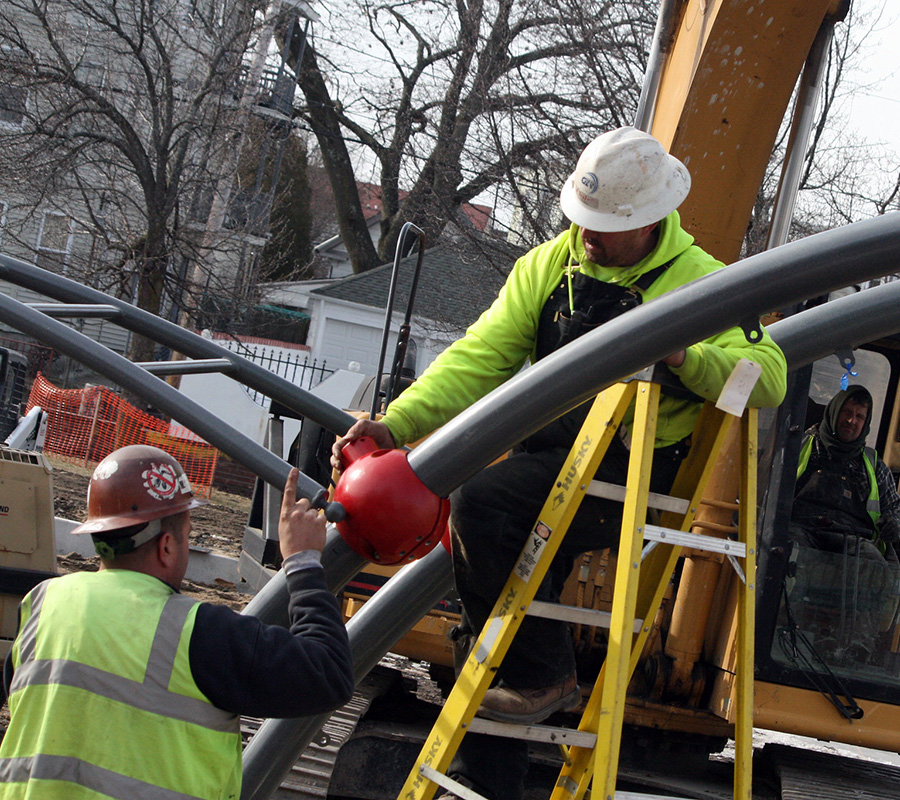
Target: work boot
{"x": 530, "y": 706}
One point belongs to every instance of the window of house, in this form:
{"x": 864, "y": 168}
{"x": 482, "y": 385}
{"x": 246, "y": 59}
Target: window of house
{"x": 54, "y": 241}
{"x": 13, "y": 100}
{"x": 13, "y": 88}
{"x": 91, "y": 74}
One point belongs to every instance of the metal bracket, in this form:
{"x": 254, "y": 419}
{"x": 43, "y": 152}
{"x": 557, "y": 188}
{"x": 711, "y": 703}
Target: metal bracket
{"x": 752, "y": 331}
{"x": 846, "y": 357}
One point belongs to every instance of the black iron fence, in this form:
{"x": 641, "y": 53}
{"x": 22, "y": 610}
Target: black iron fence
{"x": 297, "y": 368}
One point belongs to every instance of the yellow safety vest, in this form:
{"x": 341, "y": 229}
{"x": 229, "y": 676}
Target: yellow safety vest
{"x": 103, "y": 703}
{"x": 870, "y": 457}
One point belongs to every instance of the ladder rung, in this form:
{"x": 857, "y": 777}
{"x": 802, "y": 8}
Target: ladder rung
{"x": 581, "y": 616}
{"x": 697, "y": 541}
{"x": 661, "y": 502}
{"x": 463, "y": 792}
{"x": 642, "y": 796}
{"x": 534, "y": 733}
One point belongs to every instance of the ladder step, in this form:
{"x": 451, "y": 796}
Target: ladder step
{"x": 697, "y": 541}
{"x": 534, "y": 733}
{"x": 576, "y": 614}
{"x": 661, "y": 502}
{"x": 463, "y": 792}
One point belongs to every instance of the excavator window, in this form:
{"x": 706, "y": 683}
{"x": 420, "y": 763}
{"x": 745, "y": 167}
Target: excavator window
{"x": 838, "y": 614}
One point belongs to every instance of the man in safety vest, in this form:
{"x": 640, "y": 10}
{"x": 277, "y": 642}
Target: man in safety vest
{"x": 846, "y": 523}
{"x": 625, "y": 246}
{"x": 120, "y": 687}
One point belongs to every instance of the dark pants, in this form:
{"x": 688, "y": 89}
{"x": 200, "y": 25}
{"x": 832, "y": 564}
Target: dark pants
{"x": 491, "y": 517}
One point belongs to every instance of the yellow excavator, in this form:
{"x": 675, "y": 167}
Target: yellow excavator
{"x": 721, "y": 77}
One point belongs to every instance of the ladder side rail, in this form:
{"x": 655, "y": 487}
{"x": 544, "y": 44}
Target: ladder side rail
{"x": 625, "y": 592}
{"x": 690, "y": 484}
{"x": 493, "y": 641}
{"x": 746, "y": 609}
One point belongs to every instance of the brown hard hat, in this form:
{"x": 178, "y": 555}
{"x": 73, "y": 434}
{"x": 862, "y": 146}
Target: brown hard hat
{"x": 136, "y": 484}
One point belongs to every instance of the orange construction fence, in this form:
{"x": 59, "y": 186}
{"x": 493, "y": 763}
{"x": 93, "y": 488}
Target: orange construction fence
{"x": 86, "y": 425}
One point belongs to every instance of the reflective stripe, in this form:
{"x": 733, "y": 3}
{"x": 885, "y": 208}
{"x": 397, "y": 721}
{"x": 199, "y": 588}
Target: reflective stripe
{"x": 144, "y": 696}
{"x": 873, "y": 501}
{"x": 28, "y": 633}
{"x": 152, "y": 694}
{"x": 74, "y": 770}
{"x": 165, "y": 640}
{"x": 803, "y": 461}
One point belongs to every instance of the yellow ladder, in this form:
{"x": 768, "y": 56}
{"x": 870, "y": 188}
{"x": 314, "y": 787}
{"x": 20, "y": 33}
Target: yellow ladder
{"x": 592, "y": 752}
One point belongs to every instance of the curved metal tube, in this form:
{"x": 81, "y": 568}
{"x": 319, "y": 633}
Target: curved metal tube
{"x": 179, "y": 340}
{"x": 264, "y": 463}
{"x": 847, "y": 322}
{"x": 414, "y": 589}
{"x": 742, "y": 292}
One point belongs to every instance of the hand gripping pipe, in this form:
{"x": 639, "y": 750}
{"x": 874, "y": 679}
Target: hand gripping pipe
{"x": 279, "y": 743}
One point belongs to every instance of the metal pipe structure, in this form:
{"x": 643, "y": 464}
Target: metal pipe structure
{"x": 178, "y": 339}
{"x": 740, "y": 293}
{"x": 804, "y": 116}
{"x": 804, "y": 337}
{"x": 407, "y": 228}
{"x": 277, "y": 744}
{"x": 130, "y": 376}
{"x": 841, "y": 324}
{"x": 663, "y": 38}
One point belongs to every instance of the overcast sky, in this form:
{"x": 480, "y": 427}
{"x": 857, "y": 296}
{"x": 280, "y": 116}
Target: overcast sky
{"x": 875, "y": 112}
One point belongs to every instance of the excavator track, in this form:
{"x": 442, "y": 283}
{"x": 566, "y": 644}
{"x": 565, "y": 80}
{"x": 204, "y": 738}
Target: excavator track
{"x": 310, "y": 776}
{"x": 811, "y": 775}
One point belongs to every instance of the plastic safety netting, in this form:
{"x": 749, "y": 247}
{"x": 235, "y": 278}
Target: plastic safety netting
{"x": 86, "y": 425}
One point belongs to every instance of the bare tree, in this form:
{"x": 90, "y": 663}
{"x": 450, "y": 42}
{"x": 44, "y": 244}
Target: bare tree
{"x": 447, "y": 100}
{"x": 117, "y": 115}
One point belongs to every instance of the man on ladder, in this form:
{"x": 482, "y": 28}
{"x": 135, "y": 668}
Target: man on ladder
{"x": 625, "y": 246}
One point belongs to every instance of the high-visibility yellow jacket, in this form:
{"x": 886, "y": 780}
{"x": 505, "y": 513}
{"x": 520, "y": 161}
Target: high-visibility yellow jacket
{"x": 104, "y": 704}
{"x": 499, "y": 343}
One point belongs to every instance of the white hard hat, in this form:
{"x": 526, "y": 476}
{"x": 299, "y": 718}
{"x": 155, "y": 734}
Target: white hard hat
{"x": 624, "y": 180}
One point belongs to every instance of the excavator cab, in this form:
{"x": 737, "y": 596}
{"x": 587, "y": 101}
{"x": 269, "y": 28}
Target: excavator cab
{"x": 827, "y": 617}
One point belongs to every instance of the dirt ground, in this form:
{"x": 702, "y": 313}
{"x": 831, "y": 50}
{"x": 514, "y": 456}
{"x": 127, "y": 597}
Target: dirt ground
{"x": 218, "y": 526}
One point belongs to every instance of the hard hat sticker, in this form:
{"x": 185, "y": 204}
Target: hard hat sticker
{"x": 105, "y": 469}
{"x": 184, "y": 485}
{"x": 161, "y": 481}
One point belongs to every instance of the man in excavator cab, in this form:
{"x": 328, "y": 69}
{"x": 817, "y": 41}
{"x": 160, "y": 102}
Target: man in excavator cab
{"x": 625, "y": 246}
{"x": 844, "y": 573}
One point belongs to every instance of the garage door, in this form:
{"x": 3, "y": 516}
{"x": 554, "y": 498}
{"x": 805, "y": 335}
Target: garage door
{"x": 346, "y": 341}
